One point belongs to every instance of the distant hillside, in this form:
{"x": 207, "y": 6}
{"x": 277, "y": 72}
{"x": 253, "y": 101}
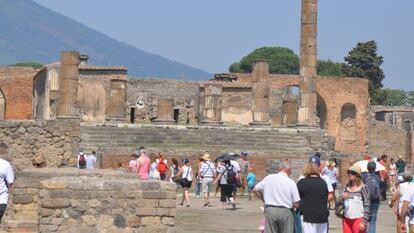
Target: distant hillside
{"x": 31, "y": 32}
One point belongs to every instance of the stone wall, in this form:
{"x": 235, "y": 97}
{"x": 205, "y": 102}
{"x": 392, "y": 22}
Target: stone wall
{"x": 72, "y": 200}
{"x": 16, "y": 83}
{"x": 143, "y": 94}
{"x": 56, "y": 141}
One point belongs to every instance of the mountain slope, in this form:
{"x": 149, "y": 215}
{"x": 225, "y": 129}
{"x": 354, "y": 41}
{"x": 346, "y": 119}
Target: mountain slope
{"x": 31, "y": 32}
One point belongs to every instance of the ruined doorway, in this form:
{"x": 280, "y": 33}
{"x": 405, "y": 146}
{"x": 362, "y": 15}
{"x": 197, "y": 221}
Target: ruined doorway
{"x": 348, "y": 122}
{"x": 176, "y": 114}
{"x": 2, "y": 106}
{"x": 290, "y": 112}
{"x": 321, "y": 111}
{"x": 132, "y": 116}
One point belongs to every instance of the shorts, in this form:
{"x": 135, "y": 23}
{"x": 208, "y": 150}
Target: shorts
{"x": 207, "y": 185}
{"x": 226, "y": 192}
{"x": 2, "y": 209}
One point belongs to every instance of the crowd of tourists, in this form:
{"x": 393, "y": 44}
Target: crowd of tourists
{"x": 303, "y": 206}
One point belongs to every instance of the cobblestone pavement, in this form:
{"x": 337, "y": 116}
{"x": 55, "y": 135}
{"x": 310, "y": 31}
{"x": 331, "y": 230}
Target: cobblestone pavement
{"x": 247, "y": 216}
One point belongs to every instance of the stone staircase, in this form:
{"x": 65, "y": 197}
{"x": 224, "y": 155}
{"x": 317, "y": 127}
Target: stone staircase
{"x": 127, "y": 138}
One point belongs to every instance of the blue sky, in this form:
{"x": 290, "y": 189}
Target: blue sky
{"x": 213, "y": 34}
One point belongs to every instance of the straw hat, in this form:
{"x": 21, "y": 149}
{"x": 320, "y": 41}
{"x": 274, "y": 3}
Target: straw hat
{"x": 206, "y": 157}
{"x": 356, "y": 169}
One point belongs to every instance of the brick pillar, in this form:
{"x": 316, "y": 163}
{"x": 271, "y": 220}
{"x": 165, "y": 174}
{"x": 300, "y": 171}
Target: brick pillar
{"x": 68, "y": 84}
{"x": 260, "y": 110}
{"x": 308, "y": 61}
{"x": 212, "y": 104}
{"x": 165, "y": 111}
{"x": 115, "y": 110}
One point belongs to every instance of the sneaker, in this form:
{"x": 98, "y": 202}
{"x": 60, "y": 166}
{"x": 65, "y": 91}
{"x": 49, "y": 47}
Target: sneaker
{"x": 188, "y": 205}
{"x": 233, "y": 206}
{"x": 206, "y": 205}
{"x": 197, "y": 196}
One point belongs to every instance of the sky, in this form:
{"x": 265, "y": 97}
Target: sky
{"x": 213, "y": 34}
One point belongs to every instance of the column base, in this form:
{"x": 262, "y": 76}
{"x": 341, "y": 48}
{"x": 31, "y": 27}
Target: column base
{"x": 211, "y": 123}
{"x": 163, "y": 122}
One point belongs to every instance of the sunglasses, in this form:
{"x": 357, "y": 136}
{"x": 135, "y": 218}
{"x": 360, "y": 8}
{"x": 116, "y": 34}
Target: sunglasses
{"x": 352, "y": 173}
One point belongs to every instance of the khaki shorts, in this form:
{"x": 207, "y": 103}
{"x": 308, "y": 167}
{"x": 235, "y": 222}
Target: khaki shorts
{"x": 207, "y": 185}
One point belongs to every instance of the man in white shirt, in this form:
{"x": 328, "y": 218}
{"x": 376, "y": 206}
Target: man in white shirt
{"x": 407, "y": 201}
{"x": 91, "y": 160}
{"x": 6, "y": 184}
{"x": 279, "y": 194}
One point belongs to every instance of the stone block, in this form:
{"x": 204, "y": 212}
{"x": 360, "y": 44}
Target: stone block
{"x": 133, "y": 221}
{"x": 146, "y": 211}
{"x": 143, "y": 203}
{"x": 94, "y": 203}
{"x": 89, "y": 220}
{"x": 44, "y": 212}
{"x": 53, "y": 184}
{"x": 55, "y": 203}
{"x": 169, "y": 221}
{"x": 163, "y": 212}
{"x": 105, "y": 221}
{"x": 154, "y": 195}
{"x": 22, "y": 199}
{"x": 47, "y": 228}
{"x": 173, "y": 212}
{"x": 150, "y": 221}
{"x": 57, "y": 221}
{"x": 168, "y": 203}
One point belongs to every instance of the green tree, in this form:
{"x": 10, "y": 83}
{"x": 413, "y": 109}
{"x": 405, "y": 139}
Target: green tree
{"x": 329, "y": 68}
{"x": 28, "y": 64}
{"x": 281, "y": 61}
{"x": 410, "y": 98}
{"x": 364, "y": 62}
{"x": 394, "y": 97}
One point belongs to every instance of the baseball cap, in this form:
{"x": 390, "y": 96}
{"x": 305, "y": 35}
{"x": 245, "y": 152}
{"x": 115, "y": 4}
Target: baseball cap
{"x": 315, "y": 159}
{"x": 407, "y": 176}
{"x": 244, "y": 153}
{"x": 371, "y": 166}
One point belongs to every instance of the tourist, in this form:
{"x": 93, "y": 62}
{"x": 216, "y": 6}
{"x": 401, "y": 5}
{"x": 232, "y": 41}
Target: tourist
{"x": 6, "y": 184}
{"x": 393, "y": 175}
{"x": 251, "y": 182}
{"x": 313, "y": 193}
{"x": 173, "y": 171}
{"x": 356, "y": 203}
{"x": 279, "y": 194}
{"x": 332, "y": 173}
{"x": 91, "y": 160}
{"x": 403, "y": 184}
{"x": 153, "y": 173}
{"x": 186, "y": 173}
{"x": 317, "y": 161}
{"x": 220, "y": 164}
{"x": 236, "y": 165}
{"x": 162, "y": 167}
{"x": 227, "y": 175}
{"x": 373, "y": 185}
{"x": 198, "y": 184}
{"x": 407, "y": 198}
{"x": 244, "y": 170}
{"x": 143, "y": 165}
{"x": 207, "y": 173}
{"x": 81, "y": 161}
{"x": 132, "y": 164}
{"x": 384, "y": 177}
{"x": 400, "y": 165}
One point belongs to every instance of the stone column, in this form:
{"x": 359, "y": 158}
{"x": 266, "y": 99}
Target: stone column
{"x": 260, "y": 110}
{"x": 308, "y": 61}
{"x": 212, "y": 103}
{"x": 68, "y": 84}
{"x": 165, "y": 111}
{"x": 260, "y": 70}
{"x": 116, "y": 110}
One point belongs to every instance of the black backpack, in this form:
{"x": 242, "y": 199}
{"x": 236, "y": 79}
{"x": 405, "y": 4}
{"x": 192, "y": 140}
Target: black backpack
{"x": 231, "y": 176}
{"x": 373, "y": 187}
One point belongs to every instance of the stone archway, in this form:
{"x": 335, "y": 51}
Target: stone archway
{"x": 321, "y": 111}
{"x": 2, "y": 106}
{"x": 348, "y": 122}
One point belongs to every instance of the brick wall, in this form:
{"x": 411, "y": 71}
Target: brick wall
{"x": 17, "y": 88}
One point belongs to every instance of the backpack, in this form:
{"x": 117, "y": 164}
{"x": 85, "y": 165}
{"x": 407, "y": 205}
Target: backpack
{"x": 162, "y": 167}
{"x": 373, "y": 188}
{"x": 82, "y": 159}
{"x": 231, "y": 176}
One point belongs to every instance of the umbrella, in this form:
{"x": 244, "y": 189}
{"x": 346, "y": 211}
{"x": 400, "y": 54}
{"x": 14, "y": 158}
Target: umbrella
{"x": 364, "y": 163}
{"x": 227, "y": 156}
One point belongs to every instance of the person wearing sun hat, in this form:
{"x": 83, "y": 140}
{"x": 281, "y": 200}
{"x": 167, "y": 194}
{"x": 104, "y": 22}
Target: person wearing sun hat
{"x": 244, "y": 171}
{"x": 207, "y": 174}
{"x": 356, "y": 203}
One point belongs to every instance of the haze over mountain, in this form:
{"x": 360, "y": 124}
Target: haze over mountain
{"x": 31, "y": 32}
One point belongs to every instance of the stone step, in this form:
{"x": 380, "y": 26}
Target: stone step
{"x": 21, "y": 226}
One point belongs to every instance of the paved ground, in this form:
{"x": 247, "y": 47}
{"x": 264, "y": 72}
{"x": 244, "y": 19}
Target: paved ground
{"x": 247, "y": 216}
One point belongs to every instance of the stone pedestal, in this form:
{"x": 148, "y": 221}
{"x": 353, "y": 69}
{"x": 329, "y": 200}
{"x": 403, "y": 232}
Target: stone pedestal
{"x": 165, "y": 112}
{"x": 212, "y": 104}
{"x": 68, "y": 85}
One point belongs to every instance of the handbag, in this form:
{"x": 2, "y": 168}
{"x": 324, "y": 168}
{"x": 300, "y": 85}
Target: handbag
{"x": 339, "y": 207}
{"x": 297, "y": 221}
{"x": 184, "y": 181}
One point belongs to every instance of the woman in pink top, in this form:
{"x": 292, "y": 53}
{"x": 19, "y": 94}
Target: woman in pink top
{"x": 143, "y": 166}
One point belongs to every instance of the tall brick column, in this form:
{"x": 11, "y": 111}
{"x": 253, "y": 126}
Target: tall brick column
{"x": 260, "y": 94}
{"x": 68, "y": 84}
{"x": 212, "y": 103}
{"x": 308, "y": 61}
{"x": 165, "y": 111}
